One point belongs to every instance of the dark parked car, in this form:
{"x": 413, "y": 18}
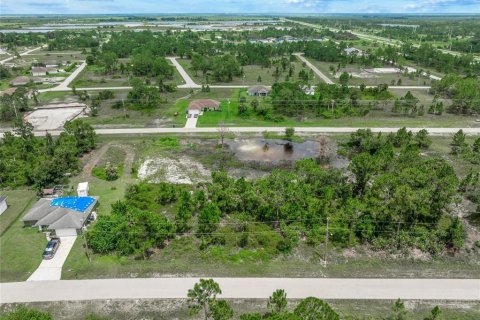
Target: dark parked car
{"x": 51, "y": 248}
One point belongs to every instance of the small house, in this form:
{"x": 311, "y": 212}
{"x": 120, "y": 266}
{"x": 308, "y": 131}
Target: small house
{"x": 51, "y": 64}
{"x": 20, "y": 81}
{"x": 39, "y": 71}
{"x": 258, "y": 91}
{"x": 196, "y": 107}
{"x": 64, "y": 216}
{"x": 3, "y": 204}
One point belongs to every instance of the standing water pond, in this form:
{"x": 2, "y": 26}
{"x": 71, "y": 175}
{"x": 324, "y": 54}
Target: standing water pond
{"x": 277, "y": 150}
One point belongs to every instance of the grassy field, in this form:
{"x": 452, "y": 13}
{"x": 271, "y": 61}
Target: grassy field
{"x": 93, "y": 76}
{"x": 251, "y": 74}
{"x": 21, "y": 248}
{"x": 18, "y": 201}
{"x": 178, "y": 309}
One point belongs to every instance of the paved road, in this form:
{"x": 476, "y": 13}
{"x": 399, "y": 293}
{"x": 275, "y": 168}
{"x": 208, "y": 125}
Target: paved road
{"x": 22, "y": 54}
{"x": 315, "y": 69}
{"x": 299, "y": 130}
{"x": 52, "y": 269}
{"x": 64, "y": 85}
{"x": 189, "y": 83}
{"x": 243, "y": 288}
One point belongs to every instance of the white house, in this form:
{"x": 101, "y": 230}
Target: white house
{"x": 3, "y": 204}
{"x": 82, "y": 189}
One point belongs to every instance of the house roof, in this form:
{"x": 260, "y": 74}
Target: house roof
{"x": 8, "y": 92}
{"x": 66, "y": 212}
{"x": 20, "y": 80}
{"x": 39, "y": 69}
{"x": 203, "y": 103}
{"x": 3, "y": 198}
{"x": 258, "y": 89}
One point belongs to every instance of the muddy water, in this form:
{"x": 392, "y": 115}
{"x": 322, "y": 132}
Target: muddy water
{"x": 272, "y": 150}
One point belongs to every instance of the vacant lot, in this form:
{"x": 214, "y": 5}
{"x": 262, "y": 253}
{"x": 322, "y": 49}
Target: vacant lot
{"x": 178, "y": 309}
{"x": 182, "y": 256}
{"x": 251, "y": 74}
{"x": 369, "y": 75}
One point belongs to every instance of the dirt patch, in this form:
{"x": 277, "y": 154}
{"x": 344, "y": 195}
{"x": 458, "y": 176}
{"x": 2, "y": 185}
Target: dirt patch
{"x": 52, "y": 117}
{"x": 183, "y": 170}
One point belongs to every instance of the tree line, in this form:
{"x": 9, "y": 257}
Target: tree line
{"x": 27, "y": 160}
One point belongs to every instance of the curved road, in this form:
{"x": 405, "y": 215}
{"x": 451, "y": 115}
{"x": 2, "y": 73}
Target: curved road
{"x": 242, "y": 288}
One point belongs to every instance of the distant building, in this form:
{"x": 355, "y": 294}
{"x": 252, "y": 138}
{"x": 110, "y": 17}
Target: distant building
{"x": 352, "y": 51}
{"x": 52, "y": 70}
{"x": 20, "y": 81}
{"x": 308, "y": 90}
{"x": 39, "y": 71}
{"x": 258, "y": 91}
{"x": 51, "y": 64}
{"x": 196, "y": 107}
{"x": 3, "y": 204}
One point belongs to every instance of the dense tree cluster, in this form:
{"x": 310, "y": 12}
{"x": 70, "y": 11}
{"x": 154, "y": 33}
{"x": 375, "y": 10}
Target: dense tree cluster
{"x": 330, "y": 100}
{"x": 463, "y": 92}
{"x": 64, "y": 40}
{"x": 129, "y": 230}
{"x": 42, "y": 162}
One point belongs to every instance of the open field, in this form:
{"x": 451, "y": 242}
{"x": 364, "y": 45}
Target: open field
{"x": 252, "y": 72}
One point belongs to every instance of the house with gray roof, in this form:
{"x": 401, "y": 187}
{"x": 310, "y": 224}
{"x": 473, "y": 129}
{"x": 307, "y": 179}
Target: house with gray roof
{"x": 65, "y": 216}
{"x": 258, "y": 91}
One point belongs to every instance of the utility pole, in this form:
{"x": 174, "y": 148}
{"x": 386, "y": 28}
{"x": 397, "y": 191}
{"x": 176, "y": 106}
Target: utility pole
{"x": 124, "y": 111}
{"x": 86, "y": 247}
{"x": 326, "y": 245}
{"x": 15, "y": 109}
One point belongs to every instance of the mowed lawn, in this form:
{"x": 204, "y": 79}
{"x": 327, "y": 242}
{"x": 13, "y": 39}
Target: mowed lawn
{"x": 20, "y": 248}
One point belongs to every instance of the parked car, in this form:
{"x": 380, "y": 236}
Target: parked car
{"x": 51, "y": 248}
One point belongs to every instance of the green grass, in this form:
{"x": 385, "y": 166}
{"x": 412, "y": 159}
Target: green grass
{"x": 18, "y": 201}
{"x": 21, "y": 252}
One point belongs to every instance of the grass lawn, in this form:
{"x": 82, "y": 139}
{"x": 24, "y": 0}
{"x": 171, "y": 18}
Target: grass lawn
{"x": 21, "y": 248}
{"x": 18, "y": 201}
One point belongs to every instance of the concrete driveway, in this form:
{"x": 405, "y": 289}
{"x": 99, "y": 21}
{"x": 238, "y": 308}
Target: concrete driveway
{"x": 191, "y": 122}
{"x": 52, "y": 269}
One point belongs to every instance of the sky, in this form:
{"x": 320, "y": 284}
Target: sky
{"x": 236, "y": 6}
